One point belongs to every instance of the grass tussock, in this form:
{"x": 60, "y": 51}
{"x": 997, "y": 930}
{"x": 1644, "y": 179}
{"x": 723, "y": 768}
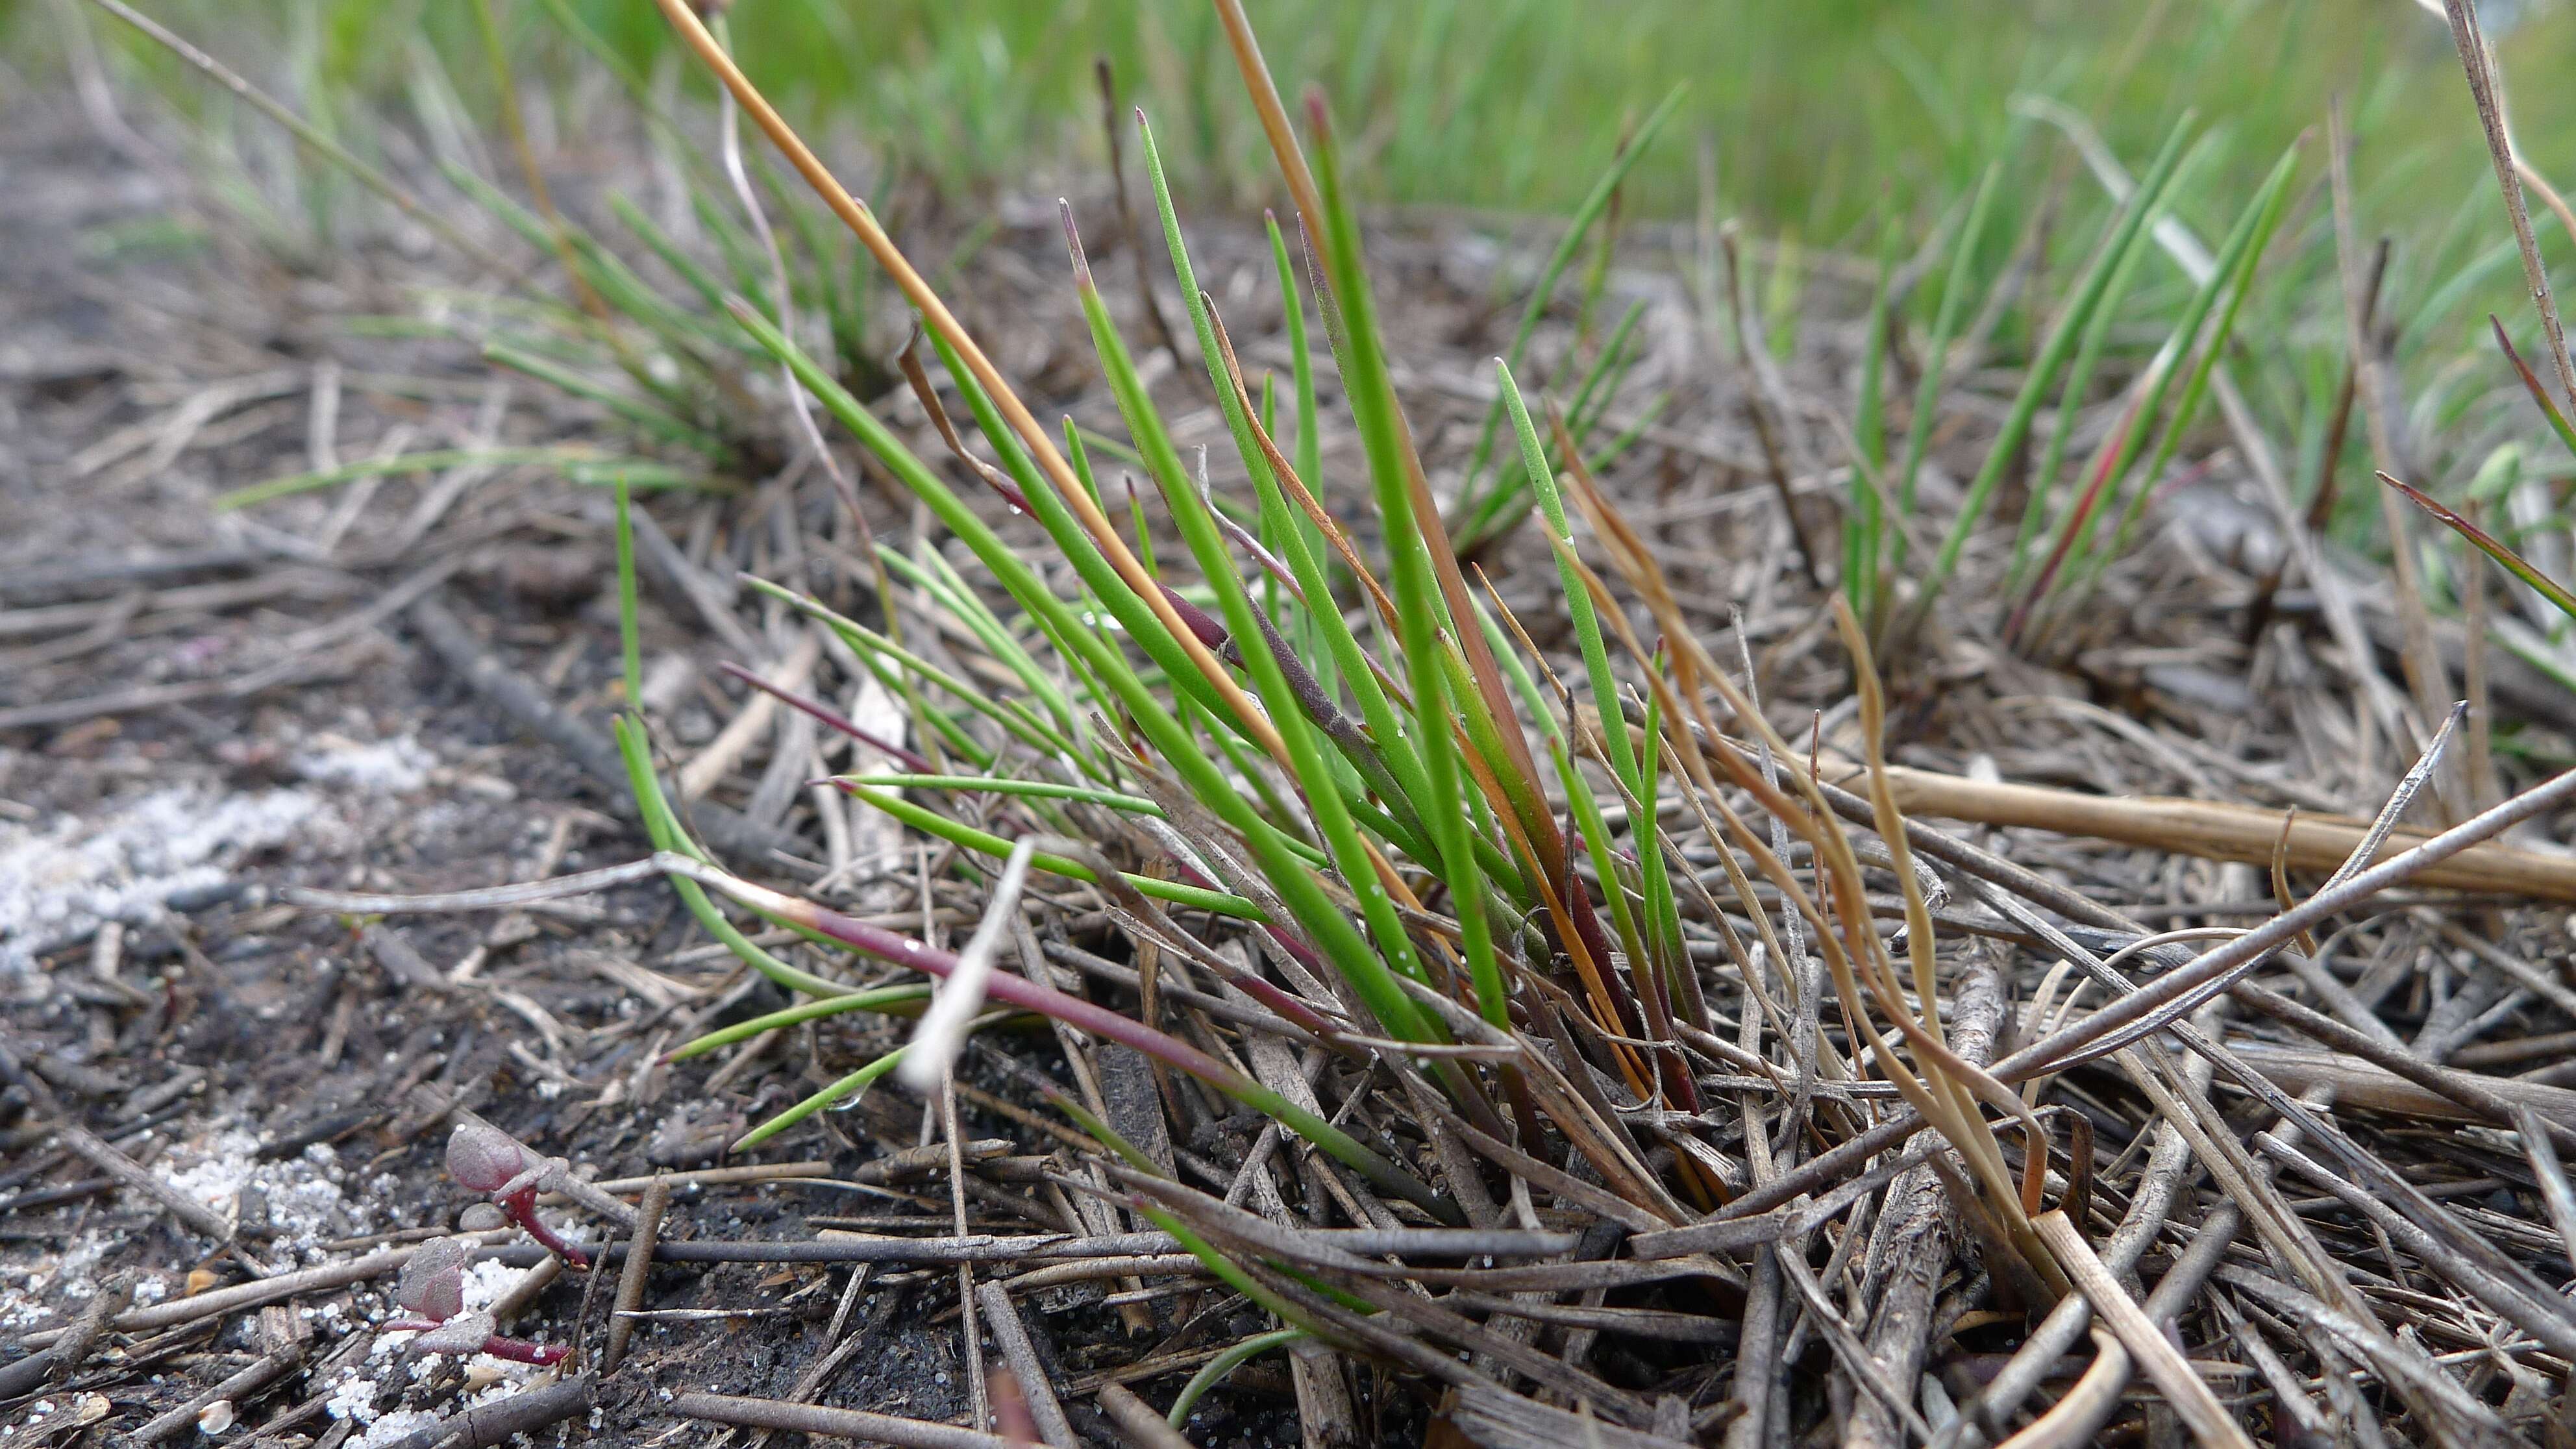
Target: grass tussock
{"x": 1634, "y": 1002}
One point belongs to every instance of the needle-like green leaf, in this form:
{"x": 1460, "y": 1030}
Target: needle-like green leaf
{"x": 2495, "y": 548}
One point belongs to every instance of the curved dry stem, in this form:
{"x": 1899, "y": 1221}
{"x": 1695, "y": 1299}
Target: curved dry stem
{"x": 1274, "y": 116}
{"x": 1945, "y": 1102}
{"x": 1041, "y": 444}
{"x": 1919, "y": 943}
{"x": 2073, "y": 1419}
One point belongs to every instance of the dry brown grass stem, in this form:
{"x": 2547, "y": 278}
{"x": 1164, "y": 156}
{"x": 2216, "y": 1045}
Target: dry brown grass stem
{"x": 1274, "y": 116}
{"x": 2214, "y": 830}
{"x": 505, "y": 89}
{"x": 2163, "y": 1363}
{"x": 2469, "y": 37}
{"x": 917, "y": 290}
{"x": 1853, "y": 952}
{"x": 2159, "y": 1002}
{"x": 1811, "y": 817}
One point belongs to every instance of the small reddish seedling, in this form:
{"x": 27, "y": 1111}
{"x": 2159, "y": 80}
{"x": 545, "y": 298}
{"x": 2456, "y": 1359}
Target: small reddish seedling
{"x": 433, "y": 1288}
{"x": 490, "y": 1161}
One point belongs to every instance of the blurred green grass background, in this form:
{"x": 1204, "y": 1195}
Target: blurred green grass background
{"x": 1816, "y": 119}
{"x": 1857, "y": 127}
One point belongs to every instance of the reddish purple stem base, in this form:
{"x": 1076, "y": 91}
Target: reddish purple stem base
{"x": 519, "y": 1350}
{"x": 522, "y": 1208}
{"x": 516, "y": 1350}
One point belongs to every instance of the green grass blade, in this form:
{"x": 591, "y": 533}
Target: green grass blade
{"x": 659, "y": 242}
{"x": 1595, "y": 830}
{"x": 2062, "y": 339}
{"x": 868, "y": 644}
{"x": 1663, "y": 909}
{"x": 1864, "y": 524}
{"x": 1321, "y": 652}
{"x": 2241, "y": 256}
{"x": 644, "y": 415}
{"x": 582, "y": 465}
{"x": 1419, "y": 607}
{"x": 823, "y": 924}
{"x": 1601, "y": 381}
{"x": 1132, "y": 613}
{"x": 1591, "y": 401}
{"x": 1310, "y": 443}
{"x": 1000, "y": 785}
{"x": 1331, "y": 815}
{"x": 2493, "y": 547}
{"x": 662, "y": 827}
{"x": 1226, "y": 1269}
{"x": 1330, "y": 929}
{"x": 1936, "y": 358}
{"x": 942, "y": 579}
{"x": 843, "y": 1093}
{"x": 1236, "y": 1355}
{"x": 2531, "y": 382}
{"x": 1297, "y": 535}
{"x": 888, "y": 999}
{"x": 2071, "y": 396}
{"x": 1594, "y": 204}
{"x": 2230, "y": 277}
{"x": 984, "y": 842}
{"x": 630, "y": 645}
{"x": 1578, "y": 598}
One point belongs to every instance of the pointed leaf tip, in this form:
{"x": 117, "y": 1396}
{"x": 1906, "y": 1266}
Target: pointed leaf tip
{"x": 1073, "y": 244}
{"x": 2493, "y": 547}
{"x": 2531, "y": 383}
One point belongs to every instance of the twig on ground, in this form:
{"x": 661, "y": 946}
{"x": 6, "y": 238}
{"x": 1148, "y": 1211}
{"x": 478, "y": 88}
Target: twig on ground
{"x": 832, "y": 1423}
{"x": 67, "y": 1353}
{"x": 636, "y": 1269}
{"x": 1036, "y": 1385}
{"x": 198, "y": 1217}
{"x": 2218, "y": 831}
{"x": 525, "y": 703}
{"x": 182, "y": 1418}
{"x": 2184, "y": 1389}
{"x": 482, "y": 1425}
{"x": 1137, "y": 1420}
